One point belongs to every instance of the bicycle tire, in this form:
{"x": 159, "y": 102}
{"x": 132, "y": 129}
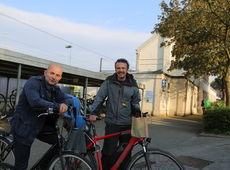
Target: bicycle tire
{"x": 71, "y": 161}
{"x": 12, "y": 100}
{"x": 4, "y": 142}
{"x": 3, "y": 106}
{"x": 158, "y": 159}
{"x": 92, "y": 158}
{"x": 4, "y": 166}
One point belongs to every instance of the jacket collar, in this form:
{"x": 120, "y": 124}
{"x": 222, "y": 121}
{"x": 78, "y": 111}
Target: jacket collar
{"x": 48, "y": 86}
{"x": 129, "y": 78}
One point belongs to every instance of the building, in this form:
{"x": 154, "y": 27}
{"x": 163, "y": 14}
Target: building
{"x": 167, "y": 93}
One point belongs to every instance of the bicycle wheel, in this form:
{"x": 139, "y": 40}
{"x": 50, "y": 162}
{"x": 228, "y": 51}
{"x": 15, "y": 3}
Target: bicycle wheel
{"x": 2, "y": 106}
{"x": 158, "y": 159}
{"x": 4, "y": 166}
{"x": 12, "y": 100}
{"x": 72, "y": 161}
{"x": 4, "y": 143}
{"x": 91, "y": 157}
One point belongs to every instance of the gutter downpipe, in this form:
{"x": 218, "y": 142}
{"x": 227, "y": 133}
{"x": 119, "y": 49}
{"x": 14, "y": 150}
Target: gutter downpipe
{"x": 186, "y": 98}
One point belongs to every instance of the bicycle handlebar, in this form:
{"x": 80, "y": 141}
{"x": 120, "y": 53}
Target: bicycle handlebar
{"x": 88, "y": 120}
{"x": 47, "y": 111}
{"x": 144, "y": 114}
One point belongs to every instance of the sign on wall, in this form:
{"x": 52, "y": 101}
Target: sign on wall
{"x": 164, "y": 83}
{"x": 149, "y": 96}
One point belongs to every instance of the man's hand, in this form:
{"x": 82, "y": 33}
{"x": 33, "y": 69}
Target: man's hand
{"x": 93, "y": 118}
{"x": 63, "y": 108}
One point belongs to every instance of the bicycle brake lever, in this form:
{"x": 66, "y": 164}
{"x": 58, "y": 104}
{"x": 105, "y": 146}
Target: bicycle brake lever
{"x": 48, "y": 111}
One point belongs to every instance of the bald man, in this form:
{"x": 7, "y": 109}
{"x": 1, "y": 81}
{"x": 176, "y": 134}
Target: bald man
{"x": 38, "y": 92}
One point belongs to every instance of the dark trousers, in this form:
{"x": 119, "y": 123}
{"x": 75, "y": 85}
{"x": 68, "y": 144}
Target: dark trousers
{"x": 22, "y": 152}
{"x": 110, "y": 145}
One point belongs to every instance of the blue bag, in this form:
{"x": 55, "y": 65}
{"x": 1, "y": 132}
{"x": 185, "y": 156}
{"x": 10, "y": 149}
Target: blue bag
{"x": 79, "y": 121}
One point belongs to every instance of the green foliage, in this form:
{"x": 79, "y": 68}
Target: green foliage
{"x": 216, "y": 118}
{"x": 217, "y": 105}
{"x": 199, "y": 31}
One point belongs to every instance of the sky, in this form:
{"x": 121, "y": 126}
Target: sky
{"x": 97, "y": 30}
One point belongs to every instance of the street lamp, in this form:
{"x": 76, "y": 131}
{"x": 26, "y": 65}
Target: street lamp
{"x": 69, "y": 46}
{"x": 6, "y": 39}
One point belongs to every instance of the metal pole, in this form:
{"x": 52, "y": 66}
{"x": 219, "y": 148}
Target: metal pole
{"x": 85, "y": 97}
{"x": 142, "y": 104}
{"x": 100, "y": 65}
{"x": 7, "y": 90}
{"x": 70, "y": 56}
{"x": 6, "y": 39}
{"x": 69, "y": 46}
{"x": 18, "y": 83}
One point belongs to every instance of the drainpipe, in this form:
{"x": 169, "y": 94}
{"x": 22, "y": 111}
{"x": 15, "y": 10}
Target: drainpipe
{"x": 186, "y": 96}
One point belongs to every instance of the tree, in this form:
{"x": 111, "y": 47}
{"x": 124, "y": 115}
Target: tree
{"x": 199, "y": 32}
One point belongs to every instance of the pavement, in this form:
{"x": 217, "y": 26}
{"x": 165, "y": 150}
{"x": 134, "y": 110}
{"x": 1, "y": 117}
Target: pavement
{"x": 181, "y": 136}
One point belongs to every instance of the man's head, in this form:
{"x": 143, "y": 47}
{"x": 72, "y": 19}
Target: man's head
{"x": 53, "y": 74}
{"x": 121, "y": 68}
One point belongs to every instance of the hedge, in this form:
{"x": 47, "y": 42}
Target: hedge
{"x": 216, "y": 119}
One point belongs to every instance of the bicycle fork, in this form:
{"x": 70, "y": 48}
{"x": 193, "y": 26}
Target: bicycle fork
{"x": 145, "y": 150}
{"x": 60, "y": 148}
{"x": 98, "y": 155}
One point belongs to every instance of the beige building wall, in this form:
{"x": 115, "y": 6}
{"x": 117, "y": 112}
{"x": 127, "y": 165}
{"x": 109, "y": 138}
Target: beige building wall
{"x": 181, "y": 96}
{"x": 151, "y": 97}
{"x": 151, "y": 57}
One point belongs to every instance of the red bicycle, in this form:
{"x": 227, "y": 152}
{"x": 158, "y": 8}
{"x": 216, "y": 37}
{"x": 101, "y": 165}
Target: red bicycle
{"x": 146, "y": 158}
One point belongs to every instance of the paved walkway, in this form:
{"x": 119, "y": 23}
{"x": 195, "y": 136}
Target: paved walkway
{"x": 181, "y": 136}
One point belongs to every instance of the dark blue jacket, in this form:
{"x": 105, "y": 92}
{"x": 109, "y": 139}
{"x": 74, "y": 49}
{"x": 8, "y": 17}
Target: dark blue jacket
{"x": 36, "y": 93}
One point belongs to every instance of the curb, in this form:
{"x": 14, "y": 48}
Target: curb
{"x": 213, "y": 135}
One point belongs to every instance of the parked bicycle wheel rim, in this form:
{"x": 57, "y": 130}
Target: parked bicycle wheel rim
{"x": 71, "y": 161}
{"x": 92, "y": 158}
{"x": 2, "y": 106}
{"x": 158, "y": 159}
{"x": 4, "y": 166}
{"x": 12, "y": 100}
{"x": 4, "y": 143}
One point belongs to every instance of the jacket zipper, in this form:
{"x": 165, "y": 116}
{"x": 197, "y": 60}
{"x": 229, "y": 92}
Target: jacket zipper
{"x": 117, "y": 106}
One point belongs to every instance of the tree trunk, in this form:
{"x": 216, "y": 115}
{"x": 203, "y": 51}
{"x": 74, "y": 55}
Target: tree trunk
{"x": 227, "y": 81}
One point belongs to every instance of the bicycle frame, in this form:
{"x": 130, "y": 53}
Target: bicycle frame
{"x": 6, "y": 150}
{"x": 61, "y": 142}
{"x": 49, "y": 151}
{"x": 124, "y": 153}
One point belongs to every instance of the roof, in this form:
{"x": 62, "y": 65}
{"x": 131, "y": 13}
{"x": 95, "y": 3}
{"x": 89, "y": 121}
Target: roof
{"x": 147, "y": 42}
{"x": 215, "y": 85}
{"x": 33, "y": 66}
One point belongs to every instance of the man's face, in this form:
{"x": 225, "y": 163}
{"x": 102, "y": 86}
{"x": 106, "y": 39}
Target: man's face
{"x": 53, "y": 74}
{"x": 121, "y": 70}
